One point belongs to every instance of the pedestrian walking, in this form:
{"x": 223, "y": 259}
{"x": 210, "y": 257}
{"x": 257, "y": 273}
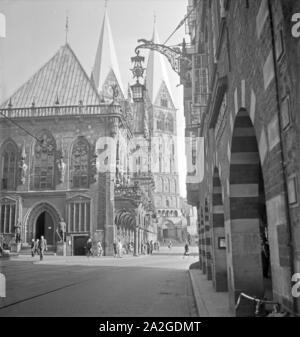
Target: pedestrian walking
{"x": 151, "y": 247}
{"x": 32, "y": 247}
{"x": 99, "y": 249}
{"x": 265, "y": 256}
{"x": 130, "y": 247}
{"x": 42, "y": 247}
{"x": 36, "y": 247}
{"x": 115, "y": 249}
{"x": 120, "y": 247}
{"x": 18, "y": 237}
{"x": 89, "y": 245}
{"x": 142, "y": 247}
{"x": 186, "y": 250}
{"x": 148, "y": 247}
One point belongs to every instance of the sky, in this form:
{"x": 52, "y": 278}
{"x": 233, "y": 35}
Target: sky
{"x": 35, "y": 30}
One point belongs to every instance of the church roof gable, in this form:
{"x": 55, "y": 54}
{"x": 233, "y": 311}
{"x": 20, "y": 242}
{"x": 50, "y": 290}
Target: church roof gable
{"x": 156, "y": 71}
{"x": 62, "y": 79}
{"x": 107, "y": 91}
{"x": 164, "y": 94}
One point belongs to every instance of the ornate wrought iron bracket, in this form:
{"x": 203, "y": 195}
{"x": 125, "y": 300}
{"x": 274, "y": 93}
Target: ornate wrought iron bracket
{"x": 175, "y": 55}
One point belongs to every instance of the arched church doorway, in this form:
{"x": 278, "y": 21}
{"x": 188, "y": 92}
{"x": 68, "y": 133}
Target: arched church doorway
{"x": 45, "y": 227}
{"x": 248, "y": 249}
{"x": 43, "y": 219}
{"x": 165, "y": 233}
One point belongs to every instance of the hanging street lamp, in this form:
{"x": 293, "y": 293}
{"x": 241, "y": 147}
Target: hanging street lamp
{"x": 138, "y": 89}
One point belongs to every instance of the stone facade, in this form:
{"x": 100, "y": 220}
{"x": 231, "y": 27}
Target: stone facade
{"x": 64, "y": 158}
{"x": 164, "y": 164}
{"x": 162, "y": 121}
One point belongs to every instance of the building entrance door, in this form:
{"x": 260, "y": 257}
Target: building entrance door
{"x": 79, "y": 244}
{"x": 45, "y": 227}
{"x": 165, "y": 233}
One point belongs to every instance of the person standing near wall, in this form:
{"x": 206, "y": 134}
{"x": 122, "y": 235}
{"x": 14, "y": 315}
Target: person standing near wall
{"x": 89, "y": 246}
{"x": 32, "y": 247}
{"x": 115, "y": 249}
{"x": 119, "y": 248}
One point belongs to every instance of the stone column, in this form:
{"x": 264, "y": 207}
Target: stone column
{"x": 109, "y": 215}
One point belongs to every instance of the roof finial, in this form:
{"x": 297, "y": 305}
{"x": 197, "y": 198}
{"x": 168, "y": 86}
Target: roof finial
{"x": 67, "y": 27}
{"x": 105, "y": 3}
{"x": 154, "y": 18}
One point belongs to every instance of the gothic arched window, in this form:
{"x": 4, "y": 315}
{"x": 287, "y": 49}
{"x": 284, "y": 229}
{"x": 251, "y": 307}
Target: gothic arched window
{"x": 159, "y": 184}
{"x": 166, "y": 185}
{"x": 173, "y": 186}
{"x": 44, "y": 162}
{"x": 160, "y": 122}
{"x": 9, "y": 166}
{"x": 164, "y": 102}
{"x": 170, "y": 123}
{"x": 8, "y": 216}
{"x": 80, "y": 163}
{"x": 160, "y": 159}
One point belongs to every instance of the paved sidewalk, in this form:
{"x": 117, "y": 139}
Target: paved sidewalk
{"x": 209, "y": 303}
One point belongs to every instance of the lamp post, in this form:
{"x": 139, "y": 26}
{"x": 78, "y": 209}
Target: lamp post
{"x": 138, "y": 93}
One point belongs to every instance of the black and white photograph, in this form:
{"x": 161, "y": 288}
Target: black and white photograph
{"x": 149, "y": 162}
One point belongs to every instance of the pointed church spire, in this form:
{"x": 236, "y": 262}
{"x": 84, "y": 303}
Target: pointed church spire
{"x": 67, "y": 27}
{"x": 106, "y": 67}
{"x": 156, "y": 72}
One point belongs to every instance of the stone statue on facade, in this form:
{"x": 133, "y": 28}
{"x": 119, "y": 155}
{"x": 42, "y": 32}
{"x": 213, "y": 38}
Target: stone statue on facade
{"x": 23, "y": 166}
{"x": 62, "y": 169}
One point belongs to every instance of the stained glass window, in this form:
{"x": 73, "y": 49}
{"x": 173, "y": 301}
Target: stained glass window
{"x": 44, "y": 162}
{"x": 80, "y": 163}
{"x": 9, "y": 167}
{"x": 164, "y": 102}
{"x": 170, "y": 123}
{"x": 160, "y": 122}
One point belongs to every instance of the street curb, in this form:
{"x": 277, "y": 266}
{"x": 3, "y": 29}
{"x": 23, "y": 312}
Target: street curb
{"x": 200, "y": 305}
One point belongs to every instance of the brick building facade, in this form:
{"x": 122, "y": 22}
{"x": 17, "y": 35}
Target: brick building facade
{"x": 248, "y": 197}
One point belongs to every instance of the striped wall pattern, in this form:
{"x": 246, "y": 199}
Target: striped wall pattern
{"x": 218, "y": 231}
{"x": 245, "y": 177}
{"x": 200, "y": 237}
{"x": 202, "y": 241}
{"x": 244, "y": 170}
{"x": 208, "y": 237}
{"x": 218, "y": 209}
